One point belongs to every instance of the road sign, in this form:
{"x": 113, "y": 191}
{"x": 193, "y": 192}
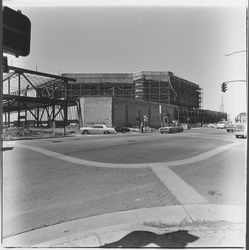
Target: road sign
{"x": 16, "y": 32}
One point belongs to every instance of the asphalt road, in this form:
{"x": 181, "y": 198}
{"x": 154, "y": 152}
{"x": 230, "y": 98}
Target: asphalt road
{"x": 44, "y": 184}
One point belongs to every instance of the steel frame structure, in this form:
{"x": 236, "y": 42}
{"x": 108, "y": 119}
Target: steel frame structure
{"x": 35, "y": 92}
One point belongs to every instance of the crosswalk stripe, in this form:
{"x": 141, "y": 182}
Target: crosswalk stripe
{"x": 183, "y": 192}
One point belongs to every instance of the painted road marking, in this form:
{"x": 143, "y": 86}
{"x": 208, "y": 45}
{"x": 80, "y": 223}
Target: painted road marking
{"x": 75, "y": 160}
{"x": 183, "y": 192}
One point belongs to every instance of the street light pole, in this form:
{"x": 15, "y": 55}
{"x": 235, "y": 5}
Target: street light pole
{"x": 235, "y": 52}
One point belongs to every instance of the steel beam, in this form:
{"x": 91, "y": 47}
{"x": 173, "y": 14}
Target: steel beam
{"x": 20, "y": 70}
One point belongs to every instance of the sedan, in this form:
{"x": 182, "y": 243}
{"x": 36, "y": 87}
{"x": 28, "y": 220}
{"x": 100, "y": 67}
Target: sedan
{"x": 97, "y": 129}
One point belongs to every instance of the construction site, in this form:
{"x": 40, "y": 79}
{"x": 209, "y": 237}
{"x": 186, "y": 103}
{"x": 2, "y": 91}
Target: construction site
{"x": 33, "y": 100}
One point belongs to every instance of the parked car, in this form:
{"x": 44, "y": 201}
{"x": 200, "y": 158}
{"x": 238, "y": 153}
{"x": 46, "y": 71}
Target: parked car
{"x": 97, "y": 129}
{"x": 171, "y": 128}
{"x": 209, "y": 125}
{"x": 122, "y": 129}
{"x": 221, "y": 125}
{"x": 241, "y": 131}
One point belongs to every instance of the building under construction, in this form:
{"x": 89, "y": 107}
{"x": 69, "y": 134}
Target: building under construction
{"x": 119, "y": 85}
{"x": 160, "y": 87}
{"x": 31, "y": 97}
{"x": 165, "y": 87}
{"x": 149, "y": 86}
{"x": 159, "y": 95}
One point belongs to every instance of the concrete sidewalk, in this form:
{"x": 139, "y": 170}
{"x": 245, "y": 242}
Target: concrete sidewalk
{"x": 199, "y": 225}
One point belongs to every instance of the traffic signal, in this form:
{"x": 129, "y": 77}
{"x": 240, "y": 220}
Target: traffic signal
{"x": 16, "y": 32}
{"x": 5, "y": 66}
{"x": 224, "y": 87}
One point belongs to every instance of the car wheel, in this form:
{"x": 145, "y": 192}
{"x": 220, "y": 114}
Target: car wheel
{"x": 161, "y": 132}
{"x": 85, "y": 132}
{"x": 106, "y": 132}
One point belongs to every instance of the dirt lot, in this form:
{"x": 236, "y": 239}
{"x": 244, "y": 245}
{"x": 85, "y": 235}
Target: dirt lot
{"x": 15, "y": 133}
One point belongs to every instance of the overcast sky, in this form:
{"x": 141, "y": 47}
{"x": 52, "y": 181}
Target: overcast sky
{"x": 192, "y": 42}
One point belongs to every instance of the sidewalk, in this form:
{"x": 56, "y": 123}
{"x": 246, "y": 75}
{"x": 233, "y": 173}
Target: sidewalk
{"x": 157, "y": 234}
{"x": 170, "y": 226}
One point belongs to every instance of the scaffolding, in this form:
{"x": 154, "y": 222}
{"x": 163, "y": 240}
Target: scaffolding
{"x": 119, "y": 85}
{"x": 152, "y": 86}
{"x": 33, "y": 94}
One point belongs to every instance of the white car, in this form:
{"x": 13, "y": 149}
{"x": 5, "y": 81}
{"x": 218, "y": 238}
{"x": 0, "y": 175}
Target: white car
{"x": 241, "y": 131}
{"x": 221, "y": 125}
{"x": 97, "y": 129}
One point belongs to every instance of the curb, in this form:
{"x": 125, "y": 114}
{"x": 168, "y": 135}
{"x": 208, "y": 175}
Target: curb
{"x": 102, "y": 229}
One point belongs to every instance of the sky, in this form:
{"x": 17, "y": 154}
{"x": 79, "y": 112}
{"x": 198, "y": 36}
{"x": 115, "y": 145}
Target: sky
{"x": 190, "y": 38}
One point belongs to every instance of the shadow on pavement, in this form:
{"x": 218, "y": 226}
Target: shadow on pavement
{"x": 143, "y": 238}
{"x": 7, "y": 148}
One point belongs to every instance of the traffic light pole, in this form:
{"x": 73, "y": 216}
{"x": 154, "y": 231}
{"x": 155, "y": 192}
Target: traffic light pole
{"x": 235, "y": 81}
{"x": 224, "y": 84}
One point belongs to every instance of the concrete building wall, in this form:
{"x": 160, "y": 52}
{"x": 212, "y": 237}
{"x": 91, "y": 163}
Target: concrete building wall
{"x": 114, "y": 111}
{"x": 131, "y": 112}
{"x": 96, "y": 110}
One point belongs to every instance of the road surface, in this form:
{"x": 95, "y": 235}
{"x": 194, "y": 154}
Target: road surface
{"x": 55, "y": 180}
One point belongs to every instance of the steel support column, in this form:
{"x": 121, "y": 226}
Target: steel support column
{"x": 19, "y": 94}
{"x": 65, "y": 105}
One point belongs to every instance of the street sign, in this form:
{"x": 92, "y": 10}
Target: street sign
{"x": 16, "y": 32}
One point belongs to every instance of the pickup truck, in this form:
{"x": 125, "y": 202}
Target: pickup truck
{"x": 97, "y": 129}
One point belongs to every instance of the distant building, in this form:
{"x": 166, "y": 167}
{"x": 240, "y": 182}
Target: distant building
{"x": 150, "y": 86}
{"x": 112, "y": 98}
{"x": 140, "y": 94}
{"x": 221, "y": 109}
{"x": 100, "y": 84}
{"x": 165, "y": 87}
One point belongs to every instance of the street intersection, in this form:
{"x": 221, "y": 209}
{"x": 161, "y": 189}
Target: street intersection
{"x": 53, "y": 181}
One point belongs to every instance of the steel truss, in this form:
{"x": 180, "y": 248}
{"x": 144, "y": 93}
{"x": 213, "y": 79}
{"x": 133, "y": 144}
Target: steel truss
{"x": 37, "y": 93}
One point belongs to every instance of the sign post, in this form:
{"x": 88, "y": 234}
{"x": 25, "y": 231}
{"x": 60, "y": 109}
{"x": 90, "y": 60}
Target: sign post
{"x": 145, "y": 123}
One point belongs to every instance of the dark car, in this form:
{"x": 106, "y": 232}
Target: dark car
{"x": 122, "y": 129}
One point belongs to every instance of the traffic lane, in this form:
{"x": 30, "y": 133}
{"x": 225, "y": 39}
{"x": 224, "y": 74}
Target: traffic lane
{"x": 132, "y": 149}
{"x": 40, "y": 191}
{"x": 220, "y": 179}
{"x": 120, "y": 139}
